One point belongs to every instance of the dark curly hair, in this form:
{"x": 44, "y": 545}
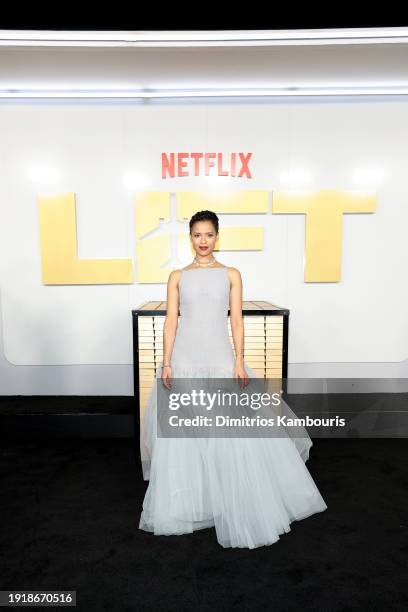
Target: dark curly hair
{"x": 204, "y": 215}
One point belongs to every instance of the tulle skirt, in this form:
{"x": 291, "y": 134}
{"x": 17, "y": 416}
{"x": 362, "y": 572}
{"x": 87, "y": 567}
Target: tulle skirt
{"x": 249, "y": 488}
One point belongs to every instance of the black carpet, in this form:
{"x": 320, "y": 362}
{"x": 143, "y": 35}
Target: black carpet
{"x": 70, "y": 512}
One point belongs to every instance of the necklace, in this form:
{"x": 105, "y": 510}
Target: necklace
{"x": 197, "y": 263}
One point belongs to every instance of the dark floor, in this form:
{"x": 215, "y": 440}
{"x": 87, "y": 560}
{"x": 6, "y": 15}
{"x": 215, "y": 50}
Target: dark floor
{"x": 70, "y": 512}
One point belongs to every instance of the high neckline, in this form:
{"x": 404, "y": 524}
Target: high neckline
{"x": 204, "y": 268}
{"x": 212, "y": 270}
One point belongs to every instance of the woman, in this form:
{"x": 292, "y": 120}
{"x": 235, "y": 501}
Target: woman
{"x": 249, "y": 488}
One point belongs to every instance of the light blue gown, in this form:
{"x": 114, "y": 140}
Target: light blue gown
{"x": 249, "y": 488}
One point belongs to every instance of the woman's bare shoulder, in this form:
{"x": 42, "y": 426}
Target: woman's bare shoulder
{"x": 233, "y": 272}
{"x": 234, "y": 276}
{"x": 174, "y": 276}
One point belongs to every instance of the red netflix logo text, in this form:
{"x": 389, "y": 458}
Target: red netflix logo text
{"x": 199, "y": 164}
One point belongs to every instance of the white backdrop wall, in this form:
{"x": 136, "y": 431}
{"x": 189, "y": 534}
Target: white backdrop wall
{"x": 78, "y": 339}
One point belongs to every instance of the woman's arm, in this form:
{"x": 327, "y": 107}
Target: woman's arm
{"x": 237, "y": 326}
{"x": 237, "y": 322}
{"x": 171, "y": 320}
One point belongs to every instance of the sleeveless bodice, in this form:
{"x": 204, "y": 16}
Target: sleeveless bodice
{"x": 202, "y": 338}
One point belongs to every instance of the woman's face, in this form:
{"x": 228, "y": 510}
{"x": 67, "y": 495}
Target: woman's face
{"x": 203, "y": 237}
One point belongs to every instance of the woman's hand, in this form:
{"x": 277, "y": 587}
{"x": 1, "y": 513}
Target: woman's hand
{"x": 166, "y": 376}
{"x": 241, "y": 375}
